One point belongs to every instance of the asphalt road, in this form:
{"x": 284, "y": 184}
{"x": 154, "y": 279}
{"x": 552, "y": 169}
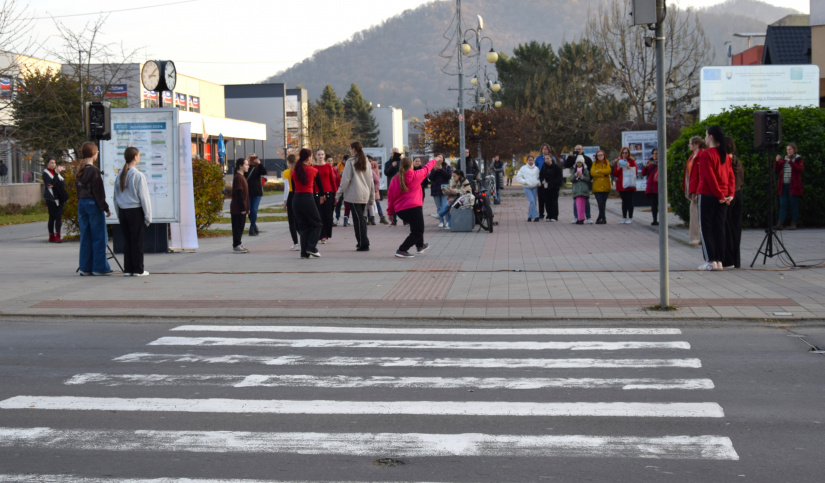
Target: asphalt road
{"x": 99, "y": 401}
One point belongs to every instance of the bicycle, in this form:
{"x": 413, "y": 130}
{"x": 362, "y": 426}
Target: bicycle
{"x": 482, "y": 207}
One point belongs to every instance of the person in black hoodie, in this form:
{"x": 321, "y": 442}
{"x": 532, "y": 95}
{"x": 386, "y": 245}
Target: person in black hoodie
{"x": 570, "y": 163}
{"x": 391, "y": 168}
{"x": 56, "y": 196}
{"x": 551, "y": 177}
{"x": 471, "y": 169}
{"x": 256, "y": 191}
{"x": 91, "y": 206}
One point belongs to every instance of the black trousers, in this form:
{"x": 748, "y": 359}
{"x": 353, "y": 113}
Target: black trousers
{"x": 733, "y": 231}
{"x": 415, "y": 218}
{"x": 327, "y": 210}
{"x": 654, "y": 205}
{"x": 712, "y": 216}
{"x": 307, "y": 221}
{"x": 55, "y": 216}
{"x": 238, "y": 222}
{"x": 601, "y": 201}
{"x": 541, "y": 199}
{"x": 359, "y": 224}
{"x": 627, "y": 203}
{"x": 290, "y": 216}
{"x": 551, "y": 203}
{"x": 133, "y": 227}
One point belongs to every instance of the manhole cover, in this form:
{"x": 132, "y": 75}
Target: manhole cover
{"x": 387, "y": 462}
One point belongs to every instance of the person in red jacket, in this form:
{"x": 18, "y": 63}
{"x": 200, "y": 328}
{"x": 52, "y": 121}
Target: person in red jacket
{"x": 307, "y": 183}
{"x": 404, "y": 198}
{"x": 789, "y": 184}
{"x": 713, "y": 181}
{"x": 627, "y": 164}
{"x": 329, "y": 181}
{"x": 651, "y": 173}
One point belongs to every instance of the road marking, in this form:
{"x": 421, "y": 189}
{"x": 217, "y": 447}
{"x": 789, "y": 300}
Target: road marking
{"x": 412, "y": 361}
{"x": 424, "y": 408}
{"x": 264, "y": 380}
{"x": 424, "y": 331}
{"x": 704, "y": 447}
{"x": 415, "y": 344}
{"x": 82, "y": 479}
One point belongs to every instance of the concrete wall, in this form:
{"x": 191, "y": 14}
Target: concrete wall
{"x": 22, "y": 194}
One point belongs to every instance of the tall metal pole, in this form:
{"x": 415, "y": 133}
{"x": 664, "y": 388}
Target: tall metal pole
{"x": 459, "y": 39}
{"x": 661, "y": 126}
{"x": 479, "y": 159}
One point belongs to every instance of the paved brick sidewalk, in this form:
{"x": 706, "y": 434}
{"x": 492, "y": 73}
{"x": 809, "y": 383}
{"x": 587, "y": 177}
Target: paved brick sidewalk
{"x": 522, "y": 271}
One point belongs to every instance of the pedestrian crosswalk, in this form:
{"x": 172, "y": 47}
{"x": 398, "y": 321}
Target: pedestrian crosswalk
{"x": 509, "y": 375}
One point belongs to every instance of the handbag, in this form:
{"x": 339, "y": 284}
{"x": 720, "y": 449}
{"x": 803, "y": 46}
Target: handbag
{"x": 629, "y": 177}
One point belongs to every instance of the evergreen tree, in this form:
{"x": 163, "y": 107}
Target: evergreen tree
{"x": 330, "y": 103}
{"x": 359, "y": 111}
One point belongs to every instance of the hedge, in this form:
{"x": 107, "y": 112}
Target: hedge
{"x": 803, "y": 125}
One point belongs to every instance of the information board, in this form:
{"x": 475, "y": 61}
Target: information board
{"x": 379, "y": 155}
{"x": 155, "y": 133}
{"x": 641, "y": 144}
{"x": 770, "y": 86}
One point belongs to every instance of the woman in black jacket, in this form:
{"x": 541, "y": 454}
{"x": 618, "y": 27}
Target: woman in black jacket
{"x": 440, "y": 176}
{"x": 55, "y": 194}
{"x": 551, "y": 177}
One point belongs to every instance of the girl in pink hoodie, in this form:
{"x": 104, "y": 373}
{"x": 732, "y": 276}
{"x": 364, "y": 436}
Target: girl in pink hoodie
{"x": 404, "y": 197}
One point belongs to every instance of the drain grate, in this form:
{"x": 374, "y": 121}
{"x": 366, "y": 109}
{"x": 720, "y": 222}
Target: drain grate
{"x": 387, "y": 462}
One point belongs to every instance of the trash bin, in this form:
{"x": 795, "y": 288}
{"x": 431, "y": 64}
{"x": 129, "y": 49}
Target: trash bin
{"x": 462, "y": 220}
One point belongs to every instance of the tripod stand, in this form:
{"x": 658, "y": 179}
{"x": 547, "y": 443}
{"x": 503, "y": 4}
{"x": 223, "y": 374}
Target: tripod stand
{"x": 770, "y": 231}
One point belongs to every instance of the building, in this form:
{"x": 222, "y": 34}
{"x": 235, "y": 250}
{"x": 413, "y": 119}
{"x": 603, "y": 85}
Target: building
{"x": 391, "y": 126}
{"x": 818, "y": 44}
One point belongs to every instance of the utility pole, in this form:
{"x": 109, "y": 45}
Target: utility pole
{"x": 661, "y": 126}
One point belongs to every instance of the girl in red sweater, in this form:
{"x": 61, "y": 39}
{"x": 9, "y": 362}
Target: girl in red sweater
{"x": 712, "y": 180}
{"x": 307, "y": 182}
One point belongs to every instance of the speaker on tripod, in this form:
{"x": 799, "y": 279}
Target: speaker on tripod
{"x": 767, "y": 135}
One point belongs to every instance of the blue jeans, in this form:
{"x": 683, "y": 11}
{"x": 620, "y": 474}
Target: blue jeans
{"x": 444, "y": 212}
{"x": 254, "y": 202}
{"x": 93, "y": 237}
{"x": 787, "y": 198}
{"x": 440, "y": 201}
{"x": 532, "y": 196}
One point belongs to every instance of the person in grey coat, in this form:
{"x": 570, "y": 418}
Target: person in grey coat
{"x": 358, "y": 189}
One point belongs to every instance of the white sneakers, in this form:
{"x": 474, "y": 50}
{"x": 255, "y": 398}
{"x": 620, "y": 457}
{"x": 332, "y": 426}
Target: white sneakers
{"x": 296, "y": 247}
{"x": 588, "y": 221}
{"x": 240, "y": 249}
{"x": 435, "y": 215}
{"x": 626, "y": 221}
{"x": 441, "y": 225}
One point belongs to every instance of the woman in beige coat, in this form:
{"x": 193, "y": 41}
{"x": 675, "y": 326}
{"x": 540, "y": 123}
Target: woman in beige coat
{"x": 357, "y": 189}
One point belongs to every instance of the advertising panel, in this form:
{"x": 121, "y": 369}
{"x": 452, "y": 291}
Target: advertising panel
{"x": 154, "y": 132}
{"x": 771, "y": 86}
{"x": 380, "y": 156}
{"x": 641, "y": 144}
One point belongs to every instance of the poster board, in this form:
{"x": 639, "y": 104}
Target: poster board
{"x": 155, "y": 133}
{"x": 771, "y": 86}
{"x": 185, "y": 234}
{"x": 641, "y": 144}
{"x": 380, "y": 157}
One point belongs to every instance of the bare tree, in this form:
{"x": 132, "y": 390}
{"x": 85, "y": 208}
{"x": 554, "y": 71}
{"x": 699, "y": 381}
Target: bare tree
{"x": 687, "y": 50}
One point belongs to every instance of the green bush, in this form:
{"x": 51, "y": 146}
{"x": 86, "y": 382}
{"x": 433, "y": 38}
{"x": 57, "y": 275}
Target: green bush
{"x": 208, "y": 186}
{"x": 803, "y": 125}
{"x": 71, "y": 226}
{"x": 274, "y": 186}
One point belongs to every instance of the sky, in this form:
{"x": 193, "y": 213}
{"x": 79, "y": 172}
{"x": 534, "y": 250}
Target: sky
{"x": 232, "y": 42}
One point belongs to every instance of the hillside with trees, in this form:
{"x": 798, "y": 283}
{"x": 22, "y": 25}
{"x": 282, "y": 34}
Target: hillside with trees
{"x": 397, "y": 62}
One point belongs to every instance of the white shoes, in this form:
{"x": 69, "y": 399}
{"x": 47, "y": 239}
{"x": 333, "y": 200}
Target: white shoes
{"x": 707, "y": 266}
{"x": 626, "y": 221}
{"x": 574, "y": 221}
{"x": 144, "y": 274}
{"x": 441, "y": 225}
{"x": 296, "y": 247}
{"x": 588, "y": 221}
{"x": 435, "y": 215}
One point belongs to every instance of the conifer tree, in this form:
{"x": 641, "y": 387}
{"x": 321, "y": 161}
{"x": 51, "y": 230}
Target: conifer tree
{"x": 359, "y": 111}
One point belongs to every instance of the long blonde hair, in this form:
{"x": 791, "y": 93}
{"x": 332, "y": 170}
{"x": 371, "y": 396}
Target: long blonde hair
{"x": 406, "y": 165}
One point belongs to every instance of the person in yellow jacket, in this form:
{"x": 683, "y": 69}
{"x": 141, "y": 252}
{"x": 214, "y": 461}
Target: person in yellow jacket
{"x": 600, "y": 173}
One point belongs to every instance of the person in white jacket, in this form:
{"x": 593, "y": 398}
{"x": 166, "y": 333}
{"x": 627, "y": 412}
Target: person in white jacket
{"x": 528, "y": 177}
{"x": 358, "y": 189}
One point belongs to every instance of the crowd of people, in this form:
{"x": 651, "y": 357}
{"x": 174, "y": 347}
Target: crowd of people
{"x": 316, "y": 188}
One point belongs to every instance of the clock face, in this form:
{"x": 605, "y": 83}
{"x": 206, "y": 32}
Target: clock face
{"x": 170, "y": 75}
{"x": 150, "y": 75}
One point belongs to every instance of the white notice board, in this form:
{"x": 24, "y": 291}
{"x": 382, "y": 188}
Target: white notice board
{"x": 641, "y": 144}
{"x": 155, "y": 133}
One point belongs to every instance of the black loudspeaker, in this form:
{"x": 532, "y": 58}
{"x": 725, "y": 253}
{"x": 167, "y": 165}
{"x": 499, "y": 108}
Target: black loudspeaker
{"x": 767, "y": 129}
{"x": 98, "y": 121}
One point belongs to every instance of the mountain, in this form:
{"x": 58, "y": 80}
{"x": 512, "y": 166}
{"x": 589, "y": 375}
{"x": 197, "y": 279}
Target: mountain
{"x": 397, "y": 63}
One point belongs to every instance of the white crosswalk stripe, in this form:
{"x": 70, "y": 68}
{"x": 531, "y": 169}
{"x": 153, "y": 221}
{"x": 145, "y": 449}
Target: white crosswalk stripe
{"x": 413, "y": 386}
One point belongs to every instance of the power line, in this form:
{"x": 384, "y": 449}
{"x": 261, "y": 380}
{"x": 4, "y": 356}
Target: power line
{"x": 114, "y": 11}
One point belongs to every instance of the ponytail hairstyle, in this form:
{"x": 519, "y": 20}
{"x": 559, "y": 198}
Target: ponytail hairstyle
{"x": 360, "y": 163}
{"x": 129, "y": 155}
{"x": 718, "y": 136}
{"x": 406, "y": 165}
{"x": 87, "y": 151}
{"x": 300, "y": 170}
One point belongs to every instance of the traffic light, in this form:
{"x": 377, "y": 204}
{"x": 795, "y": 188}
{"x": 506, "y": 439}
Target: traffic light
{"x": 98, "y": 121}
{"x": 767, "y": 129}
